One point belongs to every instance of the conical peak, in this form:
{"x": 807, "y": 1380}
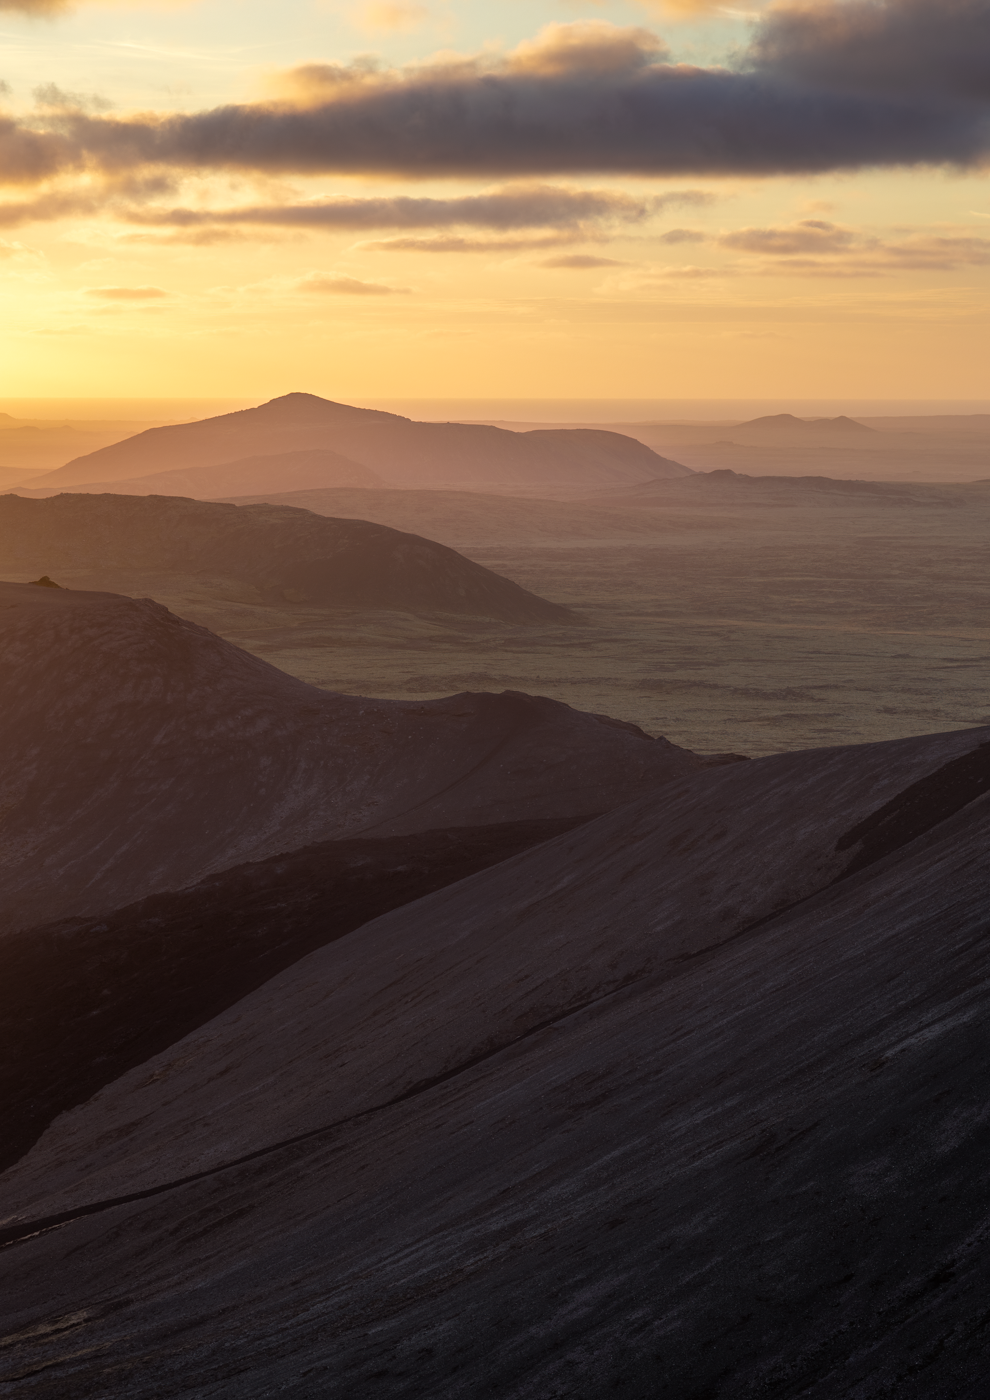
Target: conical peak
{"x": 309, "y": 408}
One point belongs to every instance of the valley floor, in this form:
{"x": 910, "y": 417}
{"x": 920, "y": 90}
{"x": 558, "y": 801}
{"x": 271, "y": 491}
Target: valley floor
{"x": 754, "y": 631}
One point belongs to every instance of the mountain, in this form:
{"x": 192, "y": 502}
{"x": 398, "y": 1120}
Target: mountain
{"x": 785, "y": 424}
{"x": 402, "y": 452}
{"x": 689, "y": 1100}
{"x": 142, "y": 753}
{"x": 285, "y": 471}
{"x": 277, "y": 553}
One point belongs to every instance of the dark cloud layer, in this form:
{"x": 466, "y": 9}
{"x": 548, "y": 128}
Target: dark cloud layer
{"x": 829, "y": 87}
{"x": 904, "y": 47}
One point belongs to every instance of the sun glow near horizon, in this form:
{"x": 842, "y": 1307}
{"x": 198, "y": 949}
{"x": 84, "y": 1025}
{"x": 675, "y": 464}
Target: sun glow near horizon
{"x": 169, "y": 245}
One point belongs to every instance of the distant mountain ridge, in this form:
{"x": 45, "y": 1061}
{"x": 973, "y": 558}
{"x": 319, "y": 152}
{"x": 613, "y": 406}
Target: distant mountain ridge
{"x": 401, "y": 451}
{"x": 787, "y": 423}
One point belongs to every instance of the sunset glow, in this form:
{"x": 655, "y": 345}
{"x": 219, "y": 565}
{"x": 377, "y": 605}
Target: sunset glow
{"x": 614, "y": 200}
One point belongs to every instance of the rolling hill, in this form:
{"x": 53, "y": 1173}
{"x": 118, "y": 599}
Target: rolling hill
{"x": 278, "y": 554}
{"x": 143, "y": 753}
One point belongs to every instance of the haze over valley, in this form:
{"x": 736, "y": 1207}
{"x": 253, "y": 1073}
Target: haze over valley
{"x": 731, "y": 612}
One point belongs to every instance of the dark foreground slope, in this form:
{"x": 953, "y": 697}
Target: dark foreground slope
{"x": 403, "y": 452}
{"x": 142, "y": 753}
{"x": 274, "y": 554}
{"x": 84, "y": 1000}
{"x": 688, "y": 1102}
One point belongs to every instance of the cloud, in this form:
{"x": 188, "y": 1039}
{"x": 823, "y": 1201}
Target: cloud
{"x": 457, "y": 243}
{"x": 579, "y": 260}
{"x": 808, "y": 236}
{"x": 126, "y": 293}
{"x": 327, "y": 283}
{"x": 683, "y": 235}
{"x": 587, "y": 97}
{"x": 814, "y": 247}
{"x": 56, "y": 99}
{"x": 512, "y": 207}
{"x": 896, "y": 47}
{"x": 194, "y": 238}
{"x": 591, "y": 48}
{"x": 28, "y": 156}
{"x": 85, "y": 201}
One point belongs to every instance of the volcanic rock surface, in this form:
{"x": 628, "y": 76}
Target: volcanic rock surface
{"x": 687, "y": 1101}
{"x": 403, "y": 452}
{"x": 142, "y": 753}
{"x": 84, "y": 1000}
{"x": 276, "y": 553}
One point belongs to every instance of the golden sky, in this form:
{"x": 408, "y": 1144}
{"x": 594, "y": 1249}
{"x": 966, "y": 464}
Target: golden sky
{"x": 543, "y": 199}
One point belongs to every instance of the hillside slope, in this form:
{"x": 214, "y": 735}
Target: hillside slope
{"x": 278, "y": 554}
{"x": 141, "y": 753}
{"x": 402, "y": 452}
{"x": 689, "y": 1101}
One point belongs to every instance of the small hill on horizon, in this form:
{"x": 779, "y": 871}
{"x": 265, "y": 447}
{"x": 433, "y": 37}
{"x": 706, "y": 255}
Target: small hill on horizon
{"x": 779, "y": 424}
{"x": 281, "y": 554}
{"x": 400, "y": 451}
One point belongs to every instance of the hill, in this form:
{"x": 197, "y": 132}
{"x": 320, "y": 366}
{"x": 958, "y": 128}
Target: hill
{"x": 142, "y": 753}
{"x": 277, "y": 553}
{"x": 402, "y": 452}
{"x": 690, "y": 1099}
{"x": 284, "y": 471}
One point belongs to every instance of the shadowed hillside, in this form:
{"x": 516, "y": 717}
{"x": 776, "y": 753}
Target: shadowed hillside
{"x": 142, "y": 753}
{"x": 281, "y": 554}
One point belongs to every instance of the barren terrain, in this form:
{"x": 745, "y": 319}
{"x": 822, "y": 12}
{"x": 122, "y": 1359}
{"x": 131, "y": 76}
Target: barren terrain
{"x": 748, "y": 627}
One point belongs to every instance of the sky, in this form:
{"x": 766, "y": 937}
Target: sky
{"x": 495, "y": 198}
